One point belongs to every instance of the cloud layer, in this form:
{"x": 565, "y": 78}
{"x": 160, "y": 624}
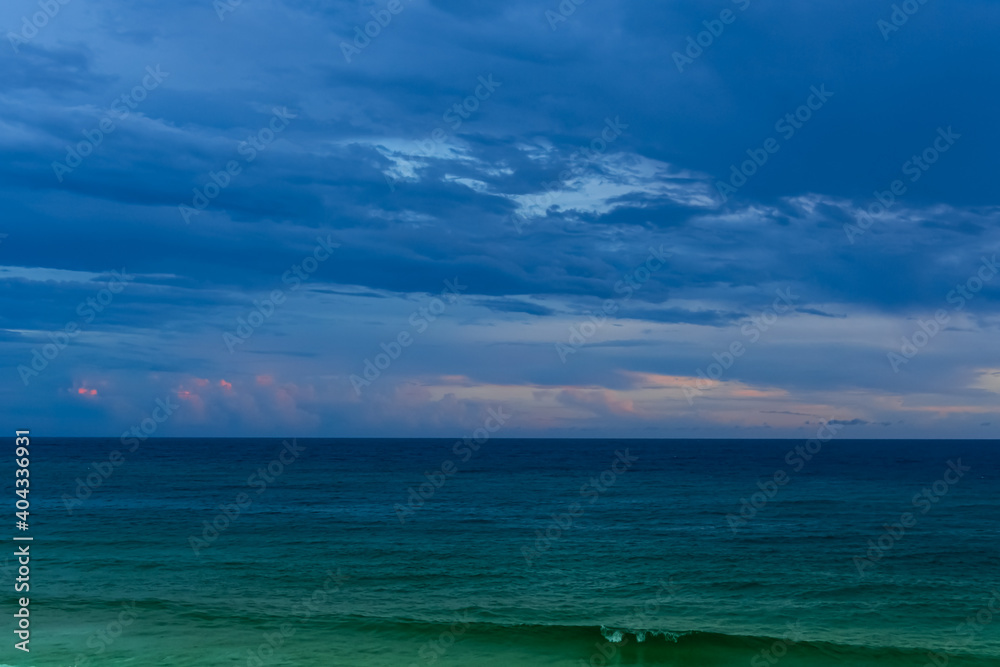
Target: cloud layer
{"x": 585, "y": 213}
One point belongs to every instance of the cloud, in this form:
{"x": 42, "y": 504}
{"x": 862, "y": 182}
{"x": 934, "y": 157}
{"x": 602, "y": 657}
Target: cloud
{"x": 526, "y": 200}
{"x": 596, "y": 401}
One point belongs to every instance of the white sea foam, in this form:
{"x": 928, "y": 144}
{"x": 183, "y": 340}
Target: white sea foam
{"x": 618, "y": 636}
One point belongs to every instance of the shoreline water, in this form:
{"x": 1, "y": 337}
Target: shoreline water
{"x": 652, "y": 555}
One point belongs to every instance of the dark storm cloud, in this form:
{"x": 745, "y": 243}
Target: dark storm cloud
{"x": 519, "y": 189}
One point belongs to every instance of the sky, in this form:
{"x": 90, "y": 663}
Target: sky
{"x": 740, "y": 218}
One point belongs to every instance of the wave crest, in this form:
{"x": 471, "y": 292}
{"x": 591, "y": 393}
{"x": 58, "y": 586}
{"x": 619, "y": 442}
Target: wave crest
{"x": 620, "y": 636}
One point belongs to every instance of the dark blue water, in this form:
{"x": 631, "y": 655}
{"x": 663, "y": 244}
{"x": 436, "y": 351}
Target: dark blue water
{"x": 535, "y": 552}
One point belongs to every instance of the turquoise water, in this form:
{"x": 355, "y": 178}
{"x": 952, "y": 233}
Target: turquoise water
{"x": 523, "y": 554}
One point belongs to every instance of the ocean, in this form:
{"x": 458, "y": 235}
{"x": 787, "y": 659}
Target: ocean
{"x": 556, "y": 553}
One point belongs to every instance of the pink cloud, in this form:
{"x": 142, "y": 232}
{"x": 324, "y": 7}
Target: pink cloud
{"x": 655, "y": 380}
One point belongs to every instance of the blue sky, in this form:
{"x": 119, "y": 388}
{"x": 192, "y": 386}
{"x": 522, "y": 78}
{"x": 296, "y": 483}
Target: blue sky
{"x": 640, "y": 219}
